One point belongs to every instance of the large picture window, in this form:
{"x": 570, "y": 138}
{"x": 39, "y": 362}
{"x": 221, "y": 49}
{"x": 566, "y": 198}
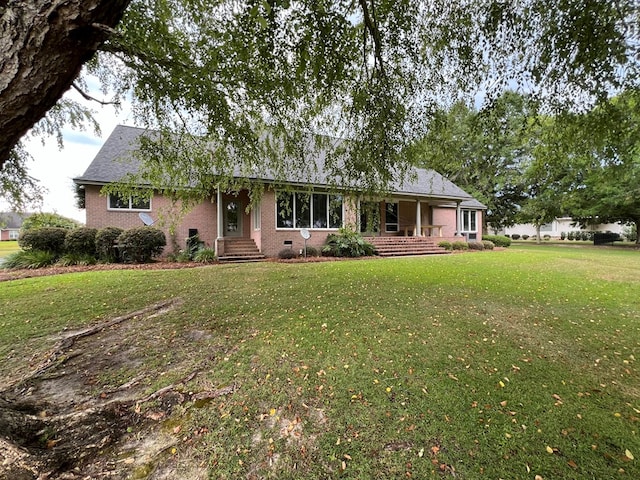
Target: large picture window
{"x": 308, "y": 210}
{"x": 118, "y": 202}
{"x": 469, "y": 221}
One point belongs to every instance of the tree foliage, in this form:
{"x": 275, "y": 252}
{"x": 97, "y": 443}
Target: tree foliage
{"x": 607, "y": 186}
{"x": 45, "y": 219}
{"x": 255, "y": 78}
{"x": 483, "y": 151}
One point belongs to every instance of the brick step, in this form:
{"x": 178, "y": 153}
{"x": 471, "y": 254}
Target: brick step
{"x": 241, "y": 258}
{"x": 403, "y": 246}
{"x": 240, "y": 250}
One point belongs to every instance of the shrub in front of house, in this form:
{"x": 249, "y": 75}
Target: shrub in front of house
{"x": 205, "y": 255}
{"x": 515, "y": 236}
{"x": 29, "y": 259}
{"x": 488, "y": 245}
{"x": 47, "y": 239}
{"x": 74, "y": 258}
{"x": 459, "y": 245}
{"x": 563, "y": 235}
{"x": 106, "y": 239}
{"x": 347, "y": 243}
{"x": 287, "y": 254}
{"x": 524, "y": 237}
{"x": 142, "y": 244}
{"x": 500, "y": 240}
{"x": 475, "y": 246}
{"x": 445, "y": 244}
{"x": 547, "y": 237}
{"x": 81, "y": 241}
{"x": 312, "y": 251}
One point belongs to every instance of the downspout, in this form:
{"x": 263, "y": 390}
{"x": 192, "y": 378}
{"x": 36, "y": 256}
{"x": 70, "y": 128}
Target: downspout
{"x": 218, "y": 221}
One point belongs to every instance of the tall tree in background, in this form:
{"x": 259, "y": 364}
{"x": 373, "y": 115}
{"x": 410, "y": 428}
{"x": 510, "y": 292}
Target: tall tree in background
{"x": 482, "y": 151}
{"x": 546, "y": 173}
{"x": 225, "y": 71}
{"x": 607, "y": 188}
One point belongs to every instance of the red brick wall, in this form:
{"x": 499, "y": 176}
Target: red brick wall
{"x": 272, "y": 239}
{"x": 268, "y": 238}
{"x": 446, "y": 217}
{"x": 202, "y": 217}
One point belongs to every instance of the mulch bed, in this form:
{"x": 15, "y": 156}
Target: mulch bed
{"x": 6, "y": 275}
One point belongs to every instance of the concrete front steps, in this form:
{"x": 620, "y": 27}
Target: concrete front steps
{"x": 401, "y": 246}
{"x": 240, "y": 250}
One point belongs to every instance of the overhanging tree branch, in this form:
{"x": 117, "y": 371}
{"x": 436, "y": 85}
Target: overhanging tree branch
{"x": 90, "y": 98}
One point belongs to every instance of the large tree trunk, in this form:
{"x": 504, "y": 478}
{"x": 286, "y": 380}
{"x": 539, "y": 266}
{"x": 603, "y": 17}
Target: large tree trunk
{"x": 43, "y": 45}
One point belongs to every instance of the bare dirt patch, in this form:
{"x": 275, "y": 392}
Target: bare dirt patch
{"x": 79, "y": 414}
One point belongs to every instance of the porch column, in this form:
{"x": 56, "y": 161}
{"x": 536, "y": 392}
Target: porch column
{"x": 458, "y": 220}
{"x": 418, "y": 232}
{"x": 219, "y": 220}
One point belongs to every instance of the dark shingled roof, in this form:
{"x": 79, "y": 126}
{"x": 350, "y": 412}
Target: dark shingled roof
{"x": 12, "y": 220}
{"x": 114, "y": 161}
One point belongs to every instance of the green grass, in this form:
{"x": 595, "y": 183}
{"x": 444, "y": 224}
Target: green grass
{"x": 477, "y": 364}
{"x": 8, "y": 247}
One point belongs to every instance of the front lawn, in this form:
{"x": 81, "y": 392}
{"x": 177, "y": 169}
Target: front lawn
{"x": 508, "y": 364}
{"x": 8, "y": 247}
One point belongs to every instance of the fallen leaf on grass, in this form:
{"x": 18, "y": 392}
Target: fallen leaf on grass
{"x": 549, "y": 449}
{"x": 628, "y": 454}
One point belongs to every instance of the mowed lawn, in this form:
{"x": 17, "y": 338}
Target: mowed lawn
{"x": 7, "y": 247}
{"x": 509, "y": 364}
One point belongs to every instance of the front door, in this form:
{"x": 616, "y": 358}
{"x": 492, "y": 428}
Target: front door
{"x": 232, "y": 218}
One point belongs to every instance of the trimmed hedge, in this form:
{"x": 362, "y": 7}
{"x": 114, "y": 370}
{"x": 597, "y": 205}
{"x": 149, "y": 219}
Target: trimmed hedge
{"x": 106, "y": 239}
{"x": 476, "y": 246}
{"x": 287, "y": 254}
{"x": 498, "y": 240}
{"x": 445, "y": 244}
{"x": 488, "y": 245}
{"x": 81, "y": 241}
{"x": 460, "y": 245}
{"x": 140, "y": 245}
{"x": 47, "y": 239}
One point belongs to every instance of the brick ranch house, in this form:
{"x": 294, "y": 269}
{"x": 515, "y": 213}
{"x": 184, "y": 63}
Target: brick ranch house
{"x": 10, "y": 224}
{"x": 413, "y": 219}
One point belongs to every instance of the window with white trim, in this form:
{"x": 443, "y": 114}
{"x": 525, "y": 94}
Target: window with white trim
{"x": 308, "y": 210}
{"x": 118, "y": 202}
{"x": 14, "y": 234}
{"x": 391, "y": 217}
{"x": 469, "y": 221}
{"x": 257, "y": 217}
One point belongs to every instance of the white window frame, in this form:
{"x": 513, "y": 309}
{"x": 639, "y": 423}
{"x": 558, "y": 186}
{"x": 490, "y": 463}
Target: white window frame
{"x": 129, "y": 208}
{"x": 467, "y": 223}
{"x": 292, "y": 206}
{"x": 14, "y": 234}
{"x": 257, "y": 218}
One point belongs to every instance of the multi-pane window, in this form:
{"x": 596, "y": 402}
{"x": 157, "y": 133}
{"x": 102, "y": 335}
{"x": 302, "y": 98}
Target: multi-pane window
{"x": 118, "y": 202}
{"x": 308, "y": 210}
{"x": 469, "y": 221}
{"x": 391, "y": 217}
